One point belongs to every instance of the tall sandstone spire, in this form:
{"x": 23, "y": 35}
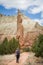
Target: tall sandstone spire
{"x": 20, "y": 29}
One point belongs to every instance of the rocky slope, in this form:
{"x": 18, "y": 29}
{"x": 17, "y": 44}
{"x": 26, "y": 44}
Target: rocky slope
{"x": 8, "y": 26}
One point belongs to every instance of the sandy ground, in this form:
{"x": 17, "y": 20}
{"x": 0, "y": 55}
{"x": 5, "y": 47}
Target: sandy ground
{"x": 26, "y": 58}
{"x": 22, "y": 59}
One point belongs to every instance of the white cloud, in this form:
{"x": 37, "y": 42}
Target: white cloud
{"x": 24, "y": 5}
{"x": 34, "y": 10}
{"x": 19, "y": 4}
{"x": 37, "y": 7}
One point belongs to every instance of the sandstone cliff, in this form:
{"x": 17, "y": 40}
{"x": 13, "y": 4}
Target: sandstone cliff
{"x": 8, "y": 27}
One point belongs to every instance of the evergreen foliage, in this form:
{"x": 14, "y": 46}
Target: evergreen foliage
{"x": 38, "y": 46}
{"x": 8, "y": 47}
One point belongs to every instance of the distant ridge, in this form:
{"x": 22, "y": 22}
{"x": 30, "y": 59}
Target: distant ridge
{"x": 8, "y": 24}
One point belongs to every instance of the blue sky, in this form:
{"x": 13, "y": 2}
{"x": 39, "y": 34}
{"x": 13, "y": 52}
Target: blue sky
{"x": 31, "y": 8}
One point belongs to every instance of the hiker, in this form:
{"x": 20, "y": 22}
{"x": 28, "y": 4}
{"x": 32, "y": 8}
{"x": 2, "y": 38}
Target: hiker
{"x": 17, "y": 55}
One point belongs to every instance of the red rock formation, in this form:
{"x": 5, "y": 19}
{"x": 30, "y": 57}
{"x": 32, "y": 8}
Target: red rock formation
{"x": 30, "y": 38}
{"x": 20, "y": 31}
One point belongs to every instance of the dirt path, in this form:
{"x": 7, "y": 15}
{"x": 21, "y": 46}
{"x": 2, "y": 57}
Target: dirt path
{"x": 26, "y": 58}
{"x": 22, "y": 60}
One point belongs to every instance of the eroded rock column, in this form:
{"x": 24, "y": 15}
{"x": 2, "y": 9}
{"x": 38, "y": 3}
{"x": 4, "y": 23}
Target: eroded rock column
{"x": 20, "y": 29}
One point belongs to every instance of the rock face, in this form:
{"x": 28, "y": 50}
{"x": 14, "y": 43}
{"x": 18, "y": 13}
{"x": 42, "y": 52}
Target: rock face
{"x": 20, "y": 31}
{"x": 20, "y": 27}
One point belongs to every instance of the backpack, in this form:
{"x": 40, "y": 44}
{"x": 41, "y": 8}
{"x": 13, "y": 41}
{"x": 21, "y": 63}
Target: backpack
{"x": 17, "y": 52}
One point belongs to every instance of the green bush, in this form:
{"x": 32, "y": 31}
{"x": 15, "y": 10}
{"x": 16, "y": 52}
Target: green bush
{"x": 3, "y": 46}
{"x": 26, "y": 49}
{"x": 8, "y": 47}
{"x": 38, "y": 46}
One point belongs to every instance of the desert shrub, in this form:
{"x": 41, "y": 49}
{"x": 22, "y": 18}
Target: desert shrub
{"x": 8, "y": 47}
{"x": 38, "y": 46}
{"x": 3, "y": 46}
{"x": 26, "y": 49}
{"x": 13, "y": 44}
